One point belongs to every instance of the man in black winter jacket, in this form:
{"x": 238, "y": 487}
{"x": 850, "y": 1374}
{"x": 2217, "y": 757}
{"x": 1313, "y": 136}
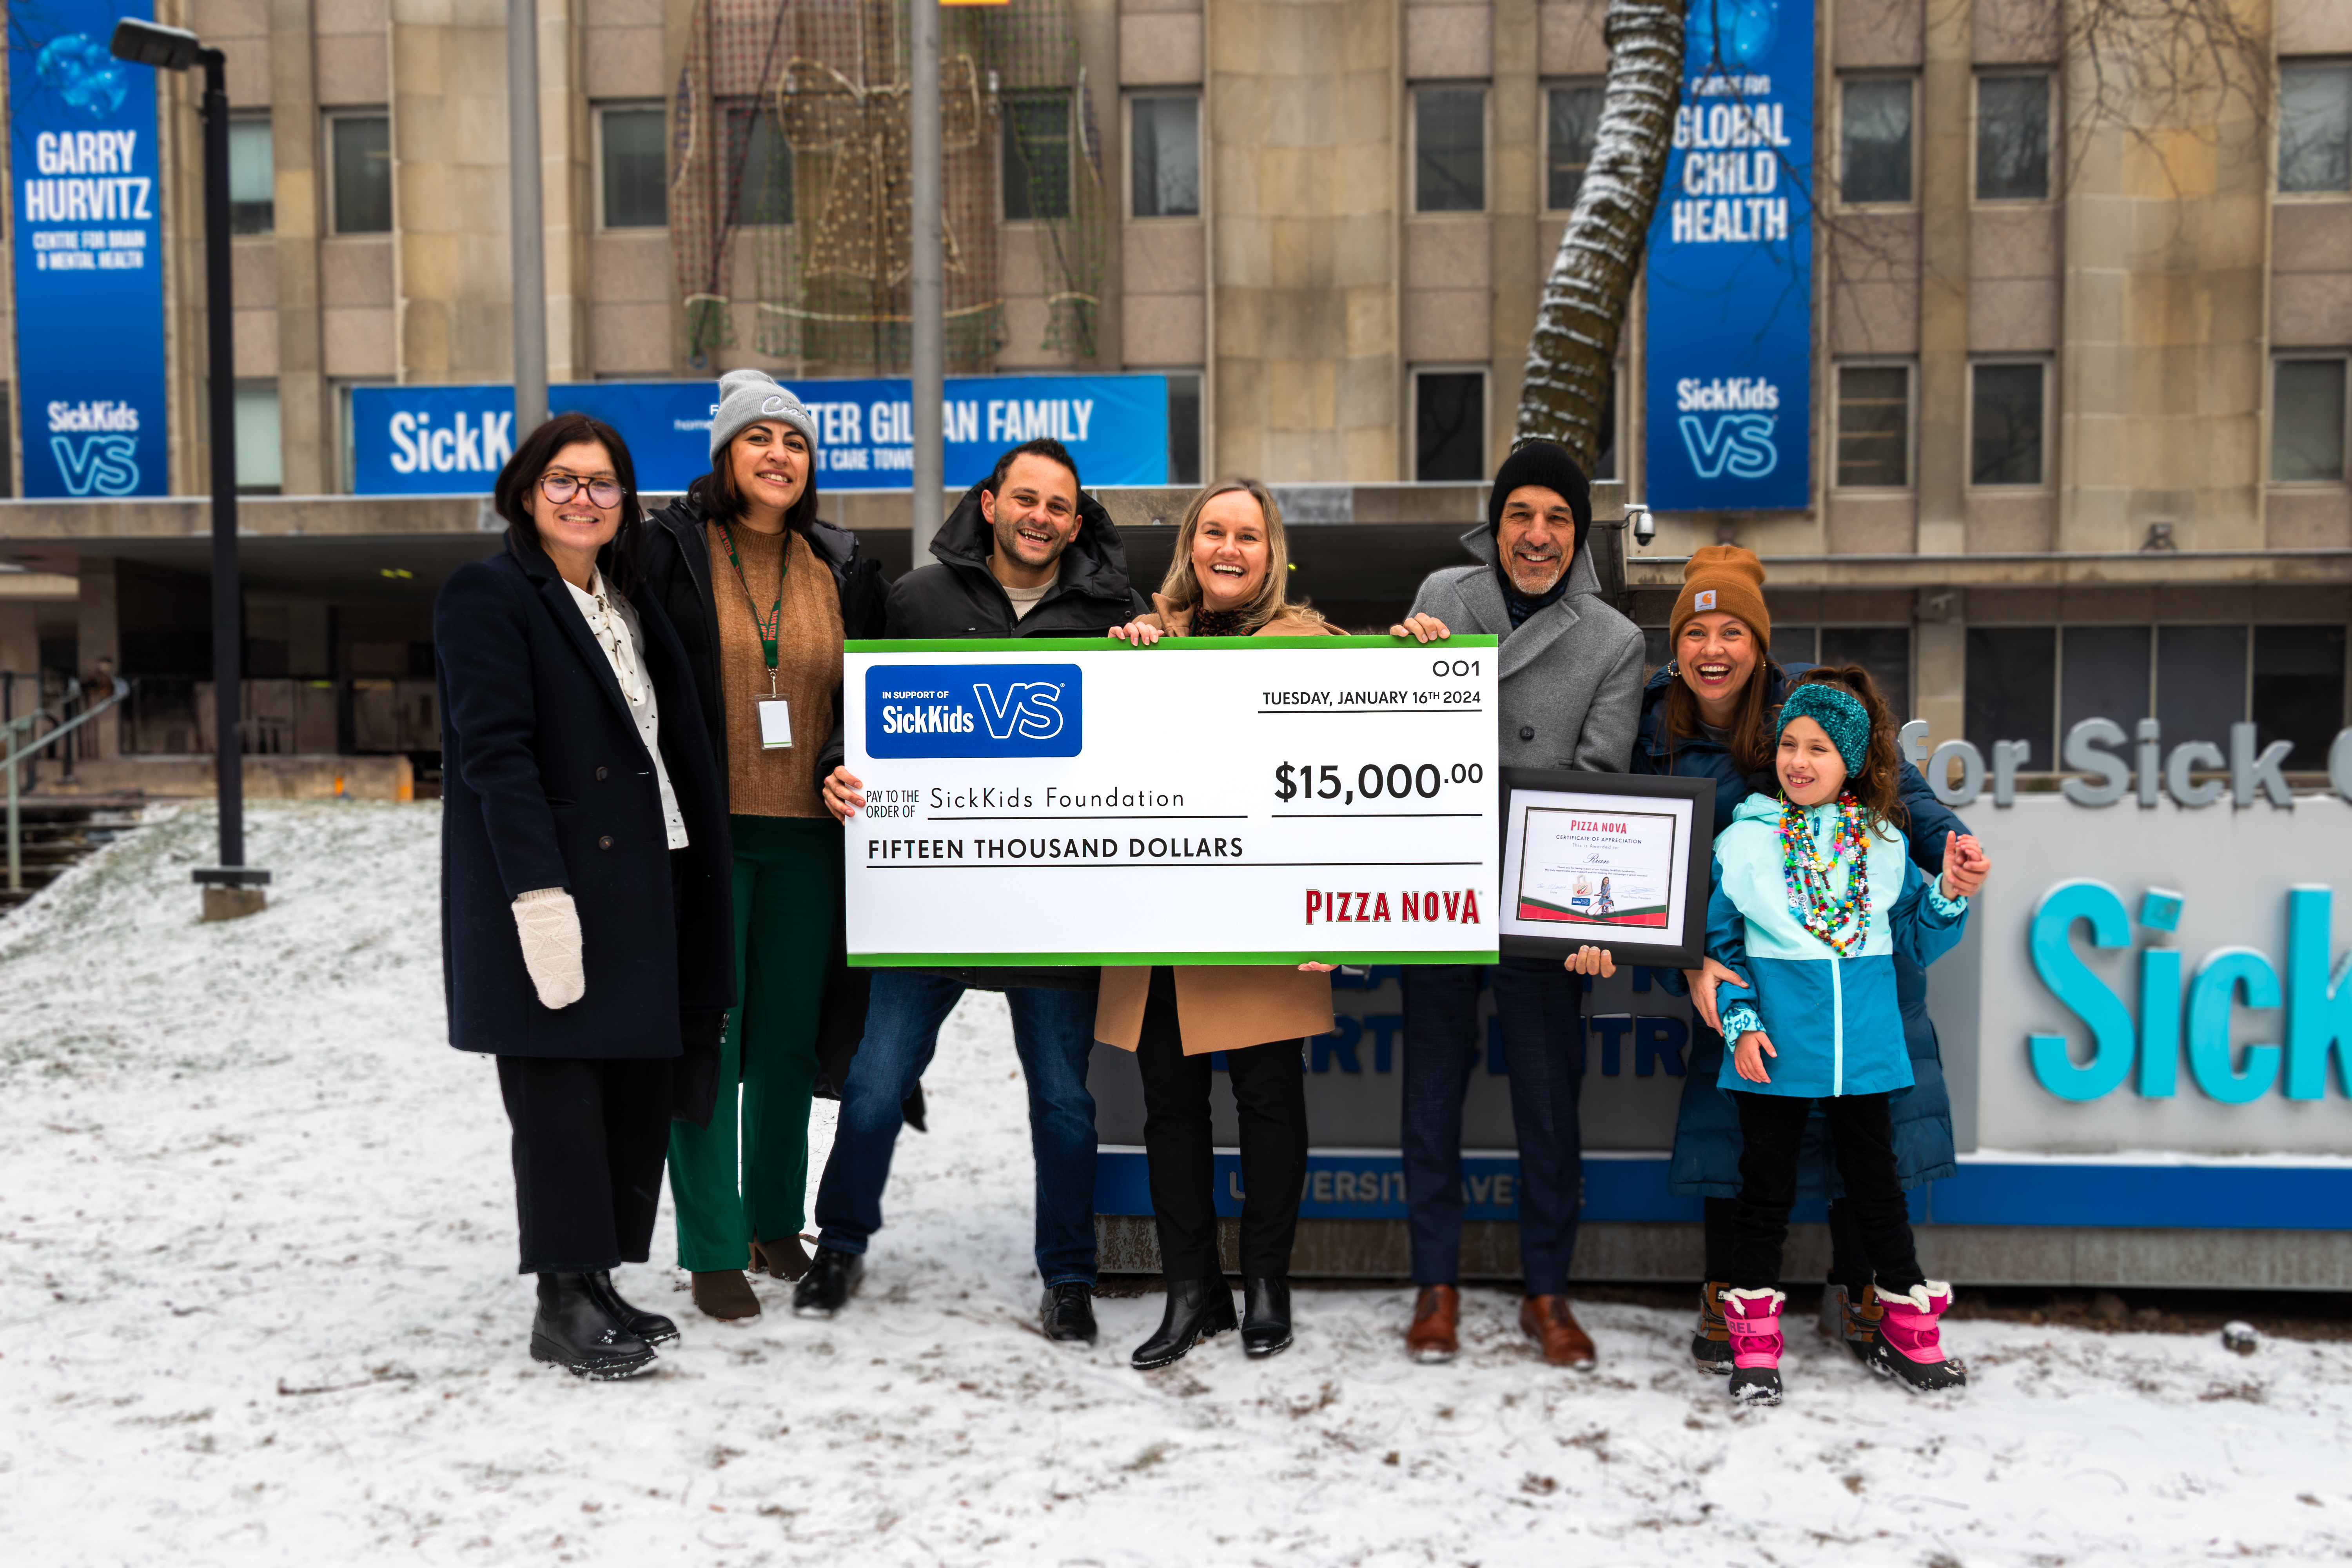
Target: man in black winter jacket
{"x": 1026, "y": 554}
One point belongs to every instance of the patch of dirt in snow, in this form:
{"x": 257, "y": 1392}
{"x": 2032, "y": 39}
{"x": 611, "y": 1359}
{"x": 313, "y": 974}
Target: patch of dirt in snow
{"x": 255, "y": 1264}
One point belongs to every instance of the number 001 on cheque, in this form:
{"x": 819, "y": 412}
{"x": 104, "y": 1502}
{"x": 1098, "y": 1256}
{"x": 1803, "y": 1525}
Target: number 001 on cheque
{"x": 1210, "y": 800}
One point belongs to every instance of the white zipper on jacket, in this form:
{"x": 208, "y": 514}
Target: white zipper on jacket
{"x": 1837, "y": 1026}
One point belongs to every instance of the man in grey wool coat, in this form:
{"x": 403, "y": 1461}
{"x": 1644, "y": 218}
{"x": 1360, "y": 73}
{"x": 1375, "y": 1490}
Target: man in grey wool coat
{"x": 1569, "y": 690}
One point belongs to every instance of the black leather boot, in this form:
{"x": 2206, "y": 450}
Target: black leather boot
{"x": 650, "y": 1327}
{"x": 1265, "y": 1317}
{"x": 1196, "y": 1309}
{"x": 575, "y": 1331}
{"x": 832, "y": 1278}
{"x": 1068, "y": 1312}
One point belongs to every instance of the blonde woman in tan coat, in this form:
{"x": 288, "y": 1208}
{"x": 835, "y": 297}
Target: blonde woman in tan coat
{"x": 1227, "y": 579}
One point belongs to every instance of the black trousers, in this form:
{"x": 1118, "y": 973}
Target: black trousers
{"x": 1269, "y": 1090}
{"x": 1772, "y": 1131}
{"x": 589, "y": 1140}
{"x": 1849, "y": 1258}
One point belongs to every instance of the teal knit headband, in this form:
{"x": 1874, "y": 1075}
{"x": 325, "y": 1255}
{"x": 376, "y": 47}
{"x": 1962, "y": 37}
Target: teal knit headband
{"x": 1837, "y": 712}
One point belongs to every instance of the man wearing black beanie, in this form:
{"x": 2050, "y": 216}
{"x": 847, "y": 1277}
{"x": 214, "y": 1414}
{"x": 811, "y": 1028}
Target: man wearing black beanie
{"x": 1569, "y": 693}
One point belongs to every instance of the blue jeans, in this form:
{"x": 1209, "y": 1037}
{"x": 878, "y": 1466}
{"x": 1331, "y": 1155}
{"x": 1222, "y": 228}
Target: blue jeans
{"x": 1054, "y": 1033}
{"x": 1540, "y": 1006}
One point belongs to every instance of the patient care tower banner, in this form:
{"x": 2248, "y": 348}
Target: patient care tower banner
{"x": 1730, "y": 365}
{"x": 445, "y": 440}
{"x": 89, "y": 253}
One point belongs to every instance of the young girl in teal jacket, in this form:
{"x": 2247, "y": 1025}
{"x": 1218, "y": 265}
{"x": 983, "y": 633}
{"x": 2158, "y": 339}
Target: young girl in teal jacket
{"x": 1813, "y": 896}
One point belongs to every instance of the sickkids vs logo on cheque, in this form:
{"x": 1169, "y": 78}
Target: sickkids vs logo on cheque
{"x": 974, "y": 711}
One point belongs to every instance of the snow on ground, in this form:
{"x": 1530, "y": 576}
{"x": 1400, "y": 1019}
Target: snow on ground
{"x": 256, "y": 1274}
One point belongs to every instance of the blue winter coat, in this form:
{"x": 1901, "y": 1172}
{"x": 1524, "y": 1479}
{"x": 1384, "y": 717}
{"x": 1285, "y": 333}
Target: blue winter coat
{"x": 1706, "y": 1162}
{"x": 1833, "y": 1020}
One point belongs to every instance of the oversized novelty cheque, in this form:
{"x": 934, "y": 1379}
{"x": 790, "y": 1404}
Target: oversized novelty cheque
{"x": 1210, "y": 800}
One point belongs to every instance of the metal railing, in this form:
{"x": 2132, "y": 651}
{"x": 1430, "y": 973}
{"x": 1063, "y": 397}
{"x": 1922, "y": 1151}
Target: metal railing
{"x": 15, "y": 754}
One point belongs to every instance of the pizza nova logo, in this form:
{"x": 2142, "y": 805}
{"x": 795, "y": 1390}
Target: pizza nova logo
{"x": 979, "y": 711}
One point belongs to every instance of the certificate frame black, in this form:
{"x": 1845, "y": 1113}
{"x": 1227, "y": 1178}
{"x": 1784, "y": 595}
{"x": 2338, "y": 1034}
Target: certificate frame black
{"x": 1680, "y": 946}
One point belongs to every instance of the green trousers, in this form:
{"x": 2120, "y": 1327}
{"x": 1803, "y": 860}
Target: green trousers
{"x": 787, "y": 896}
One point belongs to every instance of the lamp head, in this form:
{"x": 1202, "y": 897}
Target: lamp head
{"x": 153, "y": 44}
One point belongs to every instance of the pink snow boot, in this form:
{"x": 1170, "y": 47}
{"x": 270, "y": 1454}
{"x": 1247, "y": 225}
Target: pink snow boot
{"x": 1909, "y": 1349}
{"x": 1753, "y": 1317}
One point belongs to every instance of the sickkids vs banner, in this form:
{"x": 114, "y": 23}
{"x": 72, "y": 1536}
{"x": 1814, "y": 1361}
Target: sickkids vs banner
{"x": 440, "y": 440}
{"x": 1729, "y": 346}
{"x": 86, "y": 213}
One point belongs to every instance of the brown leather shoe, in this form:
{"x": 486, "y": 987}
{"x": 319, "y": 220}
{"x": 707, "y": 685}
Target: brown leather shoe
{"x": 1547, "y": 1321}
{"x": 724, "y": 1293}
{"x": 1436, "y": 1320}
{"x": 783, "y": 1259}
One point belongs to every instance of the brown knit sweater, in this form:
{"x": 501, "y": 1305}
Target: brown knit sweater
{"x": 808, "y": 669}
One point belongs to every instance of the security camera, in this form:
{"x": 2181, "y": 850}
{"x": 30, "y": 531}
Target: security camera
{"x": 1644, "y": 526}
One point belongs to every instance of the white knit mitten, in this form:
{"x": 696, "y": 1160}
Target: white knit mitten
{"x": 550, "y": 928}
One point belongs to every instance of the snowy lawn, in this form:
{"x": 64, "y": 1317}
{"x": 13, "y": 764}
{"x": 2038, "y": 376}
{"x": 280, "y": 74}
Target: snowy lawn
{"x": 256, "y": 1274}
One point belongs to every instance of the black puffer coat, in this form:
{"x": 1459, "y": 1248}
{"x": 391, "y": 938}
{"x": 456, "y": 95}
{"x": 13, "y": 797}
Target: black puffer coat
{"x": 547, "y": 784}
{"x": 960, "y": 597}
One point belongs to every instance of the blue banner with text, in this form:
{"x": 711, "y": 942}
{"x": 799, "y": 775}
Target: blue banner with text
{"x": 441, "y": 441}
{"x": 1729, "y": 355}
{"x": 89, "y": 252}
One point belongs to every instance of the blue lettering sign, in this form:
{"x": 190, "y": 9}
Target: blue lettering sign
{"x": 1729, "y": 355}
{"x": 974, "y": 711}
{"x": 88, "y": 254}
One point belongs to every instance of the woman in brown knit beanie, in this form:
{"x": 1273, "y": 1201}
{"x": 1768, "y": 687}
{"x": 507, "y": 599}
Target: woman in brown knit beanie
{"x": 1710, "y": 713}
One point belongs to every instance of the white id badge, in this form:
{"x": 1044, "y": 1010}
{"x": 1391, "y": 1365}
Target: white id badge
{"x": 775, "y": 724}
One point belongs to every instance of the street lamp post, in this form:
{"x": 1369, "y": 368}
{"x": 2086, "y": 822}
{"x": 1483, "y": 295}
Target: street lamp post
{"x": 232, "y": 888}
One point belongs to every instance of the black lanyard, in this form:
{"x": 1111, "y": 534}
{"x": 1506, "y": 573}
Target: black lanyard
{"x": 768, "y": 628}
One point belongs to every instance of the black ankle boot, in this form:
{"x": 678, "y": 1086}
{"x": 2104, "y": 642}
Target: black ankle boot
{"x": 1196, "y": 1309}
{"x": 831, "y": 1278}
{"x": 650, "y": 1327}
{"x": 1265, "y": 1317}
{"x": 575, "y": 1331}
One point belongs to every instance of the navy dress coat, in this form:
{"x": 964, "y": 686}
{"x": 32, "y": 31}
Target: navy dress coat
{"x": 546, "y": 783}
{"x": 1706, "y": 1161}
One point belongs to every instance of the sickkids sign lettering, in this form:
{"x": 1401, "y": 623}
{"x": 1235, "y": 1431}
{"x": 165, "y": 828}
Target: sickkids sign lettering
{"x": 1729, "y": 313}
{"x": 88, "y": 254}
{"x": 442, "y": 441}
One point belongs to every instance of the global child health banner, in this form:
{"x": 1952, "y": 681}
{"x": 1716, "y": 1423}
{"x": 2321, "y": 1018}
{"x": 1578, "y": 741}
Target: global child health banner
{"x": 1729, "y": 350}
{"x": 88, "y": 216}
{"x": 439, "y": 440}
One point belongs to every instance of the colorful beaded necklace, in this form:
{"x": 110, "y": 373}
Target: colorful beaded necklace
{"x": 1842, "y": 922}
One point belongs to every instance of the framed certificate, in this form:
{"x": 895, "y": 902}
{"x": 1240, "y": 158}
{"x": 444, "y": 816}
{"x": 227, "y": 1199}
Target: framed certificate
{"x": 1616, "y": 860}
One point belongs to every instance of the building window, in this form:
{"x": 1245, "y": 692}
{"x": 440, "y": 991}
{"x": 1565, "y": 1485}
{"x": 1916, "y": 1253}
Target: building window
{"x": 2307, "y": 420}
{"x": 1876, "y": 129}
{"x": 1184, "y": 429}
{"x": 635, "y": 173}
{"x": 1449, "y": 419}
{"x": 1873, "y": 426}
{"x": 2201, "y": 681}
{"x": 2011, "y": 694}
{"x": 1571, "y": 128}
{"x": 1449, "y": 140}
{"x": 2013, "y": 138}
{"x": 2005, "y": 425}
{"x": 2298, "y": 690}
{"x": 360, "y": 172}
{"x": 1036, "y": 155}
{"x": 2315, "y": 128}
{"x": 763, "y": 165}
{"x": 261, "y": 464}
{"x": 1885, "y": 651}
{"x": 252, "y": 177}
{"x": 2103, "y": 673}
{"x": 1164, "y": 157}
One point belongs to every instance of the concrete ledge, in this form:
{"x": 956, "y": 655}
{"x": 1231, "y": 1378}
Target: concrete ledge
{"x": 296, "y": 778}
{"x": 1673, "y": 1254}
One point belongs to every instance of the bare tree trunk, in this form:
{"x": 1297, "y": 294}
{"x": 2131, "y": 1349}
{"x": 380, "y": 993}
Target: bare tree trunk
{"x": 1572, "y": 353}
